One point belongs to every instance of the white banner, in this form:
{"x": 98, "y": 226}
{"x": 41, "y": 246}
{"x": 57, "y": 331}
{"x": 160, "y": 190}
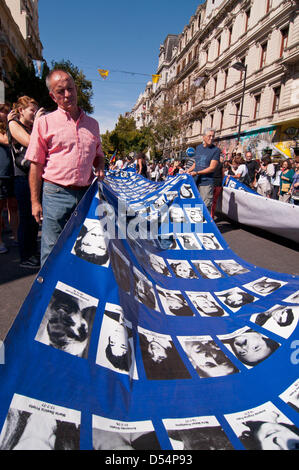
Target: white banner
{"x": 267, "y": 214}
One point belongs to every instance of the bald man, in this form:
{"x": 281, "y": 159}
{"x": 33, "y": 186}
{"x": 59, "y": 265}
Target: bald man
{"x": 66, "y": 154}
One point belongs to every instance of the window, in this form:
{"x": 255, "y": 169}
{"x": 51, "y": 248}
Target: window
{"x": 247, "y": 18}
{"x": 257, "y": 103}
{"x": 218, "y": 47}
{"x": 263, "y": 55}
{"x": 268, "y": 5}
{"x": 276, "y": 99}
{"x": 230, "y": 33}
{"x": 221, "y": 112}
{"x": 284, "y": 39}
{"x": 225, "y": 75}
{"x": 237, "y": 109}
{"x": 199, "y": 21}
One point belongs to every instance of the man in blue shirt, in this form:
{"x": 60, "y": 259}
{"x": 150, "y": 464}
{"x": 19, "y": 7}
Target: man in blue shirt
{"x": 206, "y": 159}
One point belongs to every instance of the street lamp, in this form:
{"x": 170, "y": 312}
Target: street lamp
{"x": 242, "y": 68}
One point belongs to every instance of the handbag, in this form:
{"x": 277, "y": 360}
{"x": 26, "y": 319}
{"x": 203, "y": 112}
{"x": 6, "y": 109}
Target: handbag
{"x": 295, "y": 194}
{"x": 285, "y": 187}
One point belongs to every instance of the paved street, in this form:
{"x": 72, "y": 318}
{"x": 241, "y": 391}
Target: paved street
{"x": 255, "y": 246}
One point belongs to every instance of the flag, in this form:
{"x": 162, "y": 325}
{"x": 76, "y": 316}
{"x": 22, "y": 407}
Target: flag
{"x": 104, "y": 73}
{"x": 38, "y": 67}
{"x": 156, "y": 78}
{"x": 113, "y": 158}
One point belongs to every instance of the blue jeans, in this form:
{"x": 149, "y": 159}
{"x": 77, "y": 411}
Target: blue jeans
{"x": 28, "y": 227}
{"x": 58, "y": 205}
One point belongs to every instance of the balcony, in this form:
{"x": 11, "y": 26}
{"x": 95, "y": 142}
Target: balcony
{"x": 188, "y": 67}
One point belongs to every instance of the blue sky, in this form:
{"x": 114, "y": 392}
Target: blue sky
{"x": 113, "y": 35}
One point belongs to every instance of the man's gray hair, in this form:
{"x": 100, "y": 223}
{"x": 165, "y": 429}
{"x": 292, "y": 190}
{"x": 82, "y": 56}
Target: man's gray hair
{"x": 51, "y": 73}
{"x": 208, "y": 129}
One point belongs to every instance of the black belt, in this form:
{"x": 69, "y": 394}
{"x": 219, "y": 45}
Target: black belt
{"x": 71, "y": 186}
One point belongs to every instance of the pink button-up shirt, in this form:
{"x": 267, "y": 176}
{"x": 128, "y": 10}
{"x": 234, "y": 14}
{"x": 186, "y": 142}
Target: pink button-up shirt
{"x": 67, "y": 149}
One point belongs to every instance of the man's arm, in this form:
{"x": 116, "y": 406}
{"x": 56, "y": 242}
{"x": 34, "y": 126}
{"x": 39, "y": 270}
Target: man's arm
{"x": 35, "y": 183}
{"x": 209, "y": 169}
{"x": 100, "y": 168}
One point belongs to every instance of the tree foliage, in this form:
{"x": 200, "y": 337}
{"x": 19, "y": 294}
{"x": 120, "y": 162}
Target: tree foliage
{"x": 23, "y": 81}
{"x": 126, "y": 138}
{"x": 167, "y": 125}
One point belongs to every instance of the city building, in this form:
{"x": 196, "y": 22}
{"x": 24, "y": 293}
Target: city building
{"x": 235, "y": 68}
{"x": 19, "y": 36}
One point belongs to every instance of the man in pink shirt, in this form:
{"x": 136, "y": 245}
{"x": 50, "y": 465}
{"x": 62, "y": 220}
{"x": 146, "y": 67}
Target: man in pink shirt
{"x": 65, "y": 153}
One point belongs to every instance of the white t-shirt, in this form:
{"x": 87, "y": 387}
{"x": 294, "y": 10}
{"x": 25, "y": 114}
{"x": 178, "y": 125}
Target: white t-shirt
{"x": 242, "y": 170}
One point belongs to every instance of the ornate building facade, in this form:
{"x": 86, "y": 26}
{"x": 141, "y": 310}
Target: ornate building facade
{"x": 235, "y": 68}
{"x": 19, "y": 36}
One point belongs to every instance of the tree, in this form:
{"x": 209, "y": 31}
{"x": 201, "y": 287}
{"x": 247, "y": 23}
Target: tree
{"x": 23, "y": 81}
{"x": 127, "y": 138}
{"x": 167, "y": 125}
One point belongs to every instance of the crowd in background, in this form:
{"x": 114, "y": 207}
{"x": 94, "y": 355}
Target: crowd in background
{"x": 270, "y": 177}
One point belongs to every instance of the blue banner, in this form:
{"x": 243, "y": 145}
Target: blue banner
{"x": 233, "y": 183}
{"x": 144, "y": 330}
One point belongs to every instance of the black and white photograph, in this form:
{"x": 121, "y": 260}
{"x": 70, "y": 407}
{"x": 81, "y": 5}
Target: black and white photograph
{"x": 209, "y": 241}
{"x": 231, "y": 267}
{"x": 167, "y": 241}
{"x": 207, "y": 269}
{"x": 174, "y": 303}
{"x": 116, "y": 345}
{"x": 144, "y": 291}
{"x": 68, "y": 320}
{"x": 160, "y": 357}
{"x": 206, "y": 357}
{"x": 121, "y": 268}
{"x": 264, "y": 428}
{"x": 158, "y": 264}
{"x": 186, "y": 191}
{"x": 171, "y": 196}
{"x": 188, "y": 241}
{"x": 206, "y": 305}
{"x": 92, "y": 243}
{"x": 176, "y": 214}
{"x": 280, "y": 319}
{"x": 291, "y": 396}
{"x": 235, "y": 298}
{"x": 264, "y": 286}
{"x": 182, "y": 269}
{"x": 159, "y": 202}
{"x": 249, "y": 346}
{"x": 195, "y": 214}
{"x": 111, "y": 434}
{"x": 293, "y": 298}
{"x": 197, "y": 433}
{"x": 31, "y": 424}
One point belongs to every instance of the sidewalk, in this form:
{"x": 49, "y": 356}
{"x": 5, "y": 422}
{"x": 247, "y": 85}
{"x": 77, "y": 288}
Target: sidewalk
{"x": 15, "y": 283}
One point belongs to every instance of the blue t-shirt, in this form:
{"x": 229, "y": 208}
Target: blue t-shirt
{"x": 203, "y": 157}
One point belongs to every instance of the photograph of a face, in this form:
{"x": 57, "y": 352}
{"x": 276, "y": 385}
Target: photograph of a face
{"x": 92, "y": 243}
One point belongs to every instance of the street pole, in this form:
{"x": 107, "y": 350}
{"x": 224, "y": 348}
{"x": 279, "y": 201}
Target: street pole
{"x": 242, "y": 102}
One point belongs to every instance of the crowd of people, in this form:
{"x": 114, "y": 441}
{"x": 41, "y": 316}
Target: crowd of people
{"x": 269, "y": 176}
{"x": 40, "y": 187}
